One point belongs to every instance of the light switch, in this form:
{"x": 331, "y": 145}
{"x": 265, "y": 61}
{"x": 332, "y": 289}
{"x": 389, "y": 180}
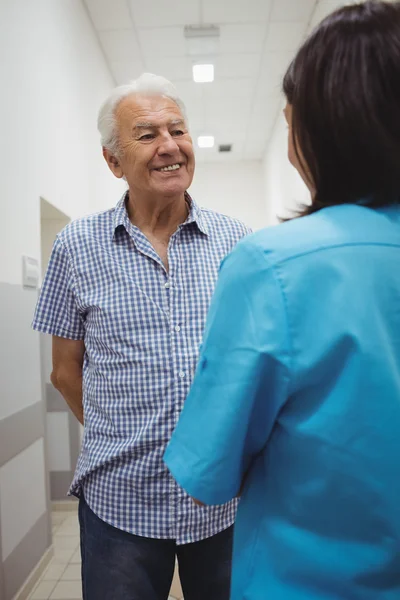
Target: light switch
{"x": 30, "y": 272}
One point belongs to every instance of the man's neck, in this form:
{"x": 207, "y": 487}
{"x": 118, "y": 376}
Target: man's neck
{"x": 157, "y": 216}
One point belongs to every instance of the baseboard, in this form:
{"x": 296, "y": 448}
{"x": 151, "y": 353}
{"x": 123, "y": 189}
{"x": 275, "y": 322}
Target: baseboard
{"x": 63, "y": 505}
{"x": 34, "y": 577}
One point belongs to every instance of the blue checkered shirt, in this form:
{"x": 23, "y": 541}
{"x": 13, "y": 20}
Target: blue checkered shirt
{"x": 142, "y": 327}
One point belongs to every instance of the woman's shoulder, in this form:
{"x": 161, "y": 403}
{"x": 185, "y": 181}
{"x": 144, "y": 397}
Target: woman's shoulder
{"x": 328, "y": 228}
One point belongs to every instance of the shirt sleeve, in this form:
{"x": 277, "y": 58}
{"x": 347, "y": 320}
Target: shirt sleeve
{"x": 57, "y": 311}
{"x": 240, "y": 384}
{"x": 245, "y": 230}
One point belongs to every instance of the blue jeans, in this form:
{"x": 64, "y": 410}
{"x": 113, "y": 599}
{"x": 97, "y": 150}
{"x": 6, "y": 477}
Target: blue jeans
{"x": 117, "y": 565}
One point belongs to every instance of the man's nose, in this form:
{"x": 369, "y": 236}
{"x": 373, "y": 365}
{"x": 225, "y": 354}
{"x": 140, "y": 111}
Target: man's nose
{"x": 168, "y": 145}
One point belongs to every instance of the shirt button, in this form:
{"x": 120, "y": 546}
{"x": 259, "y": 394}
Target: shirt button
{"x": 177, "y": 329}
{"x": 181, "y": 374}
{"x": 167, "y": 285}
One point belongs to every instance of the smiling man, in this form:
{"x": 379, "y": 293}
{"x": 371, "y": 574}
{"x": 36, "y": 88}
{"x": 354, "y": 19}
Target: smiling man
{"x": 125, "y": 298}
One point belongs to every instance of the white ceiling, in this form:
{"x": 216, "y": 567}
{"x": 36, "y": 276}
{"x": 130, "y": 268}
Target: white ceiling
{"x": 258, "y": 38}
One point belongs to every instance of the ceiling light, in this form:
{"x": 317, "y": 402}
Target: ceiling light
{"x": 205, "y": 31}
{"x": 202, "y": 40}
{"x": 205, "y": 141}
{"x": 203, "y": 73}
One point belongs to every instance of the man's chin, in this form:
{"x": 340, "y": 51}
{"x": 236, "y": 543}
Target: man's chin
{"x": 171, "y": 188}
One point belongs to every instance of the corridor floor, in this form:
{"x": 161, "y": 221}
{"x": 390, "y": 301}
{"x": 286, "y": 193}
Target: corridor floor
{"x": 62, "y": 578}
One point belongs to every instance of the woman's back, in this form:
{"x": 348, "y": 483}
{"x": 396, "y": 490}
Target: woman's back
{"x": 321, "y": 514}
{"x": 298, "y": 387}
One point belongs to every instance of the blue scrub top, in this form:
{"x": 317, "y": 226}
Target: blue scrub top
{"x": 297, "y": 392}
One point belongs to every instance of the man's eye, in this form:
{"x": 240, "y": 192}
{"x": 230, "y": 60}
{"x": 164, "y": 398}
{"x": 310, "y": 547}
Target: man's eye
{"x": 147, "y": 136}
{"x": 178, "y": 132}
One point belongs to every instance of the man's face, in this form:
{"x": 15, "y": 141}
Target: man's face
{"x": 153, "y": 136}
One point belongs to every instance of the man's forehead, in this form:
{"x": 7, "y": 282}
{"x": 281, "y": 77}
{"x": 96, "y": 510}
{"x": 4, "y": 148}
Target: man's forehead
{"x": 149, "y": 109}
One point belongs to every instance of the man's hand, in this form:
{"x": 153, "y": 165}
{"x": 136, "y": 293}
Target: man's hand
{"x": 67, "y": 372}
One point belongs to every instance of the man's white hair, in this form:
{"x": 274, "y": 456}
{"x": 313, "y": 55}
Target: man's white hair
{"x": 148, "y": 85}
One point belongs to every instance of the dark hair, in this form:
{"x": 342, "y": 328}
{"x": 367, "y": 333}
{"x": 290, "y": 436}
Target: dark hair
{"x": 344, "y": 89}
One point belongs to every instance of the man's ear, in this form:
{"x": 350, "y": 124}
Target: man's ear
{"x": 113, "y": 163}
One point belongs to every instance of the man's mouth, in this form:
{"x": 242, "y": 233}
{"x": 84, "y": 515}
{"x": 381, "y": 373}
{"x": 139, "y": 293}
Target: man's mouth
{"x": 174, "y": 167}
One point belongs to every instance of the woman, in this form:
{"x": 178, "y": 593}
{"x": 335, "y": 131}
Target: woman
{"x": 298, "y": 387}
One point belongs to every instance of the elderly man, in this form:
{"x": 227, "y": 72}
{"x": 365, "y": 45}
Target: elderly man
{"x": 125, "y": 298}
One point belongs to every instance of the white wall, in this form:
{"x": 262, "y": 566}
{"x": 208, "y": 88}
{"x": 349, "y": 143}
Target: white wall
{"x": 22, "y": 495}
{"x": 234, "y": 189}
{"x": 284, "y": 190}
{"x": 54, "y": 80}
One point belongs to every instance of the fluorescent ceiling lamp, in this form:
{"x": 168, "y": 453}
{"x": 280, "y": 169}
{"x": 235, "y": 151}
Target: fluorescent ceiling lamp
{"x": 203, "y": 73}
{"x": 201, "y": 40}
{"x": 205, "y": 141}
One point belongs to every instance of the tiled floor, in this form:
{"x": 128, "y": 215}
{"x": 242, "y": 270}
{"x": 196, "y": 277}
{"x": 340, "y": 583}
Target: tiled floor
{"x": 62, "y": 578}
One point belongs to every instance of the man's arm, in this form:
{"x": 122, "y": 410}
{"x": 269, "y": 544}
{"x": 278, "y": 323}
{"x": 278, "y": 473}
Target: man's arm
{"x": 67, "y": 372}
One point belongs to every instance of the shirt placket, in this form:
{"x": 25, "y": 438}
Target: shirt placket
{"x": 180, "y": 373}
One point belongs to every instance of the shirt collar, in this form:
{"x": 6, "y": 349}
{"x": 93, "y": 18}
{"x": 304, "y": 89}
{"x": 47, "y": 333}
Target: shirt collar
{"x": 121, "y": 214}
{"x": 195, "y": 215}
